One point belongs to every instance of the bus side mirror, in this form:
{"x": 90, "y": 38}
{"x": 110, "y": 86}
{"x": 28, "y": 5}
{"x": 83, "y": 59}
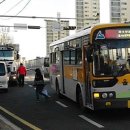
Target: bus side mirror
{"x": 89, "y": 54}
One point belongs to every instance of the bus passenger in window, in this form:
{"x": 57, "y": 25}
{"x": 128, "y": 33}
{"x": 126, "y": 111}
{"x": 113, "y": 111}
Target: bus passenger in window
{"x": 79, "y": 59}
{"x": 101, "y": 63}
{"x": 96, "y": 62}
{"x": 121, "y": 63}
{"x": 78, "y": 56}
{"x": 111, "y": 65}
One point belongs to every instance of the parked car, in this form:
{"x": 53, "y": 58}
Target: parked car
{"x": 3, "y": 77}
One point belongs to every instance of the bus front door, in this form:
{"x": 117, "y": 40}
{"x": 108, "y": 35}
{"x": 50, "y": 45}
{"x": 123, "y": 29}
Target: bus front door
{"x": 87, "y": 66}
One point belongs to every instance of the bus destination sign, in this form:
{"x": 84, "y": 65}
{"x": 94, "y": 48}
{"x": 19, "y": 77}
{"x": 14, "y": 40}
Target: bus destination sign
{"x": 117, "y": 34}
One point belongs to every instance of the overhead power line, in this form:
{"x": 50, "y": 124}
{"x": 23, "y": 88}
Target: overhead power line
{"x": 23, "y": 7}
{"x": 13, "y": 7}
{"x": 2, "y": 1}
{"x": 46, "y": 18}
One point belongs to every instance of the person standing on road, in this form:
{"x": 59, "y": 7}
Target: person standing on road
{"x": 21, "y": 74}
{"x": 39, "y": 83}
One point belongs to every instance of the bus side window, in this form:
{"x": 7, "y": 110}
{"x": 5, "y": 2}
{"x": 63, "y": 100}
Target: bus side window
{"x": 57, "y": 57}
{"x": 66, "y": 57}
{"x": 72, "y": 58}
{"x": 78, "y": 56}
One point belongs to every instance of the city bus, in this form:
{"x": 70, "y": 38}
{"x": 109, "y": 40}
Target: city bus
{"x": 91, "y": 67}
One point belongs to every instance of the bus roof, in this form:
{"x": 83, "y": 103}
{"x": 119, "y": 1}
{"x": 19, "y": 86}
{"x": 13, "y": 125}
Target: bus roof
{"x": 86, "y": 31}
{"x": 74, "y": 36}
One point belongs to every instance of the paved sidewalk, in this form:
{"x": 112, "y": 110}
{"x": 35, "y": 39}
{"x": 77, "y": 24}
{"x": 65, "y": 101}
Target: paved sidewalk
{"x": 7, "y": 125}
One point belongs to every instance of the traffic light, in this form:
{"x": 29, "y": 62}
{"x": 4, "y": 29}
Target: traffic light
{"x": 69, "y": 28}
{"x": 34, "y": 27}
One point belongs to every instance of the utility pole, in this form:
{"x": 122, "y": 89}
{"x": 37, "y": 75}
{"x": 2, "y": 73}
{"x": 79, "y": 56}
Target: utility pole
{"x": 58, "y": 20}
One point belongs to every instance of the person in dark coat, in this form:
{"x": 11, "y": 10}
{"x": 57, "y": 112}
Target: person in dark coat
{"x": 39, "y": 83}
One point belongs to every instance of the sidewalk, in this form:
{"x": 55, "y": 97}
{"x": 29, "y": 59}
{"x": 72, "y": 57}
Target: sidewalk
{"x": 7, "y": 125}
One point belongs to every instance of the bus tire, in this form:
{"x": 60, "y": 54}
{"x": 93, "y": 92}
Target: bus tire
{"x": 80, "y": 100}
{"x": 58, "y": 90}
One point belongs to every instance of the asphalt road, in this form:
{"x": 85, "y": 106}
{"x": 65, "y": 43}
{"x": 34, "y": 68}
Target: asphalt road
{"x": 19, "y": 106}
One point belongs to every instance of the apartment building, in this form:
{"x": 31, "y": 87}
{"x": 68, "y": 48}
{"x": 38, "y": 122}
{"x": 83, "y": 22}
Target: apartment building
{"x": 54, "y": 31}
{"x": 87, "y": 13}
{"x": 119, "y": 10}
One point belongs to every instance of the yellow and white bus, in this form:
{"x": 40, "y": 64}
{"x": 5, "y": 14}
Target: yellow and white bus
{"x": 92, "y": 66}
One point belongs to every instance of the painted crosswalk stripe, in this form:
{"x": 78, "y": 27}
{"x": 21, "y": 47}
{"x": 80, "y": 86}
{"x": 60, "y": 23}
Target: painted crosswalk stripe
{"x": 91, "y": 121}
{"x": 61, "y": 104}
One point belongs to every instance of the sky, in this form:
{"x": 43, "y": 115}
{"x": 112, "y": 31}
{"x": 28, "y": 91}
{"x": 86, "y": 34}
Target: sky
{"x": 33, "y": 42}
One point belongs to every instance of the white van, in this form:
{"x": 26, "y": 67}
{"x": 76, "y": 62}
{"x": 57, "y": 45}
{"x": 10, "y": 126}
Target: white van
{"x": 3, "y": 76}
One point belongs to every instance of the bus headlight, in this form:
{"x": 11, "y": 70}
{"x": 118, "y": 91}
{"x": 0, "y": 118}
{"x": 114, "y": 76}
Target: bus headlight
{"x": 104, "y": 95}
{"x": 96, "y": 95}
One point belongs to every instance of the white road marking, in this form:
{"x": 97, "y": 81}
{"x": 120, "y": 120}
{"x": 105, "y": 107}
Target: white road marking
{"x": 30, "y": 86}
{"x": 61, "y": 104}
{"x": 9, "y": 123}
{"x": 91, "y": 121}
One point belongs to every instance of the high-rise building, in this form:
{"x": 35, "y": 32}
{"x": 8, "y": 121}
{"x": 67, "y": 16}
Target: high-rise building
{"x": 87, "y": 13}
{"x": 54, "y": 31}
{"x": 119, "y": 10}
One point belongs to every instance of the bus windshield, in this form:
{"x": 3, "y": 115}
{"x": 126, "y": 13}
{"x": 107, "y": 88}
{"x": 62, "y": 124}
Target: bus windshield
{"x": 111, "y": 57}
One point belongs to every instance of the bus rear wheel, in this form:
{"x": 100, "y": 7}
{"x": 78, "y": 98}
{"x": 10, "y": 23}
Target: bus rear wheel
{"x": 58, "y": 90}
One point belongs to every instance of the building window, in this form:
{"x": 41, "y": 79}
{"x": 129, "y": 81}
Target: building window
{"x": 123, "y": 8}
{"x": 124, "y": 3}
{"x": 115, "y": 14}
{"x": 115, "y": 3}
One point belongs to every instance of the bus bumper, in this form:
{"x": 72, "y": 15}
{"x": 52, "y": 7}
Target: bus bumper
{"x": 110, "y": 104}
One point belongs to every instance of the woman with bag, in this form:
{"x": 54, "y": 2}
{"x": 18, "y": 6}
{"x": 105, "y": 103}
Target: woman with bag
{"x": 39, "y": 83}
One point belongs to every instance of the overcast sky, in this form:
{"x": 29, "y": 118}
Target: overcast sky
{"x": 32, "y": 42}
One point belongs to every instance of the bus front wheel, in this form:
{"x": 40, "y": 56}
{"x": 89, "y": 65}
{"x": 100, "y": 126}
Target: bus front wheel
{"x": 80, "y": 100}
